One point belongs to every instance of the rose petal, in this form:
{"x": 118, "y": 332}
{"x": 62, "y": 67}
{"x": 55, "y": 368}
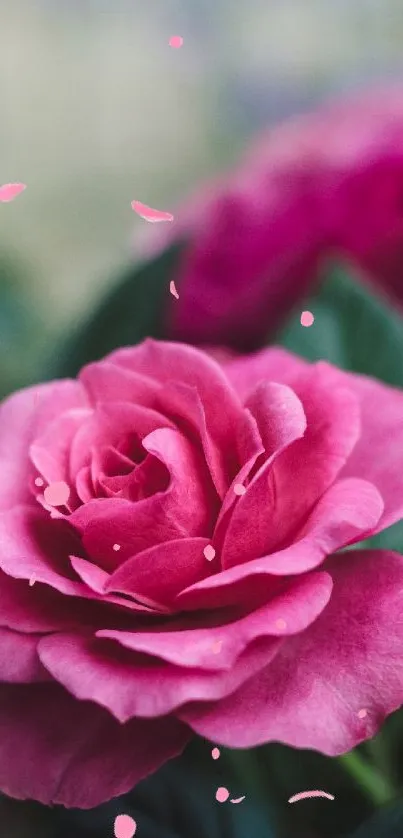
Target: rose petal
{"x": 50, "y": 450}
{"x": 86, "y": 757}
{"x": 183, "y": 369}
{"x": 23, "y": 417}
{"x": 119, "y": 680}
{"x": 108, "y": 425}
{"x": 281, "y": 421}
{"x": 19, "y": 661}
{"x": 108, "y": 382}
{"x": 33, "y": 543}
{"x": 347, "y": 512}
{"x": 299, "y": 604}
{"x": 162, "y": 571}
{"x": 349, "y": 658}
{"x": 369, "y": 459}
{"x": 38, "y": 608}
{"x": 93, "y": 576}
{"x": 374, "y": 457}
{"x": 185, "y": 509}
{"x": 246, "y": 372}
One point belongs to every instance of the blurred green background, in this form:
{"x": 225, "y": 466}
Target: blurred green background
{"x": 97, "y": 109}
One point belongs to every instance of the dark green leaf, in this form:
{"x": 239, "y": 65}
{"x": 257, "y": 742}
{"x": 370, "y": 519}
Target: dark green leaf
{"x": 357, "y": 330}
{"x": 20, "y": 342}
{"x": 133, "y": 310}
{"x": 354, "y": 328}
{"x": 388, "y": 823}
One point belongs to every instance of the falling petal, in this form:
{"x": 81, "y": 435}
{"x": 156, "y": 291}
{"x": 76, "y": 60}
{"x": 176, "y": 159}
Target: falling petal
{"x": 150, "y": 214}
{"x": 9, "y": 191}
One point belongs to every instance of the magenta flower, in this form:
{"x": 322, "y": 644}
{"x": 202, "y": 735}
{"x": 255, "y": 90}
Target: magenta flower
{"x": 170, "y": 535}
{"x": 330, "y": 181}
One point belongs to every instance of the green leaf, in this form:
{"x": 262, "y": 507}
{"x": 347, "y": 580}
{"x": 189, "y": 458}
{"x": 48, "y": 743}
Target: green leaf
{"x": 357, "y": 330}
{"x": 20, "y": 334}
{"x": 134, "y": 309}
{"x": 354, "y": 328}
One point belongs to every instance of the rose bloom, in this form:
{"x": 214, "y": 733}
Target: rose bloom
{"x": 121, "y": 634}
{"x": 325, "y": 183}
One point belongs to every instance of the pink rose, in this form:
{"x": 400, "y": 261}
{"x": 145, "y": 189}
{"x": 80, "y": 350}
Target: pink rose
{"x": 327, "y": 182}
{"x": 159, "y": 600}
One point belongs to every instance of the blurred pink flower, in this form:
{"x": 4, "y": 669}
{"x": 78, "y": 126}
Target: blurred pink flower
{"x": 326, "y": 182}
{"x": 231, "y": 614}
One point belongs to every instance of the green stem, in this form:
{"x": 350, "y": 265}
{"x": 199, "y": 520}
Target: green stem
{"x": 375, "y": 785}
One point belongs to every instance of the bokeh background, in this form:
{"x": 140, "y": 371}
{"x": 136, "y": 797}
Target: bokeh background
{"x": 97, "y": 109}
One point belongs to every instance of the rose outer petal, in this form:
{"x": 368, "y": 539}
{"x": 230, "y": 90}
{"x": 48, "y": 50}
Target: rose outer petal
{"x": 79, "y": 755}
{"x": 297, "y": 604}
{"x": 374, "y": 457}
{"x": 381, "y": 410}
{"x": 23, "y": 416}
{"x": 350, "y": 658}
{"x": 123, "y": 683}
{"x": 311, "y": 463}
{"x": 19, "y": 661}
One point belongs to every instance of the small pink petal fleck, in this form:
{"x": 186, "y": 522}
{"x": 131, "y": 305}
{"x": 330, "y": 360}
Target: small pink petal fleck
{"x": 116, "y": 547}
{"x": 32, "y": 580}
{"x": 215, "y": 753}
{"x": 176, "y": 41}
{"x": 222, "y": 794}
{"x": 38, "y": 481}
{"x": 9, "y": 191}
{"x": 237, "y": 799}
{"x": 173, "y": 289}
{"x": 209, "y": 552}
{"x": 307, "y": 318}
{"x": 57, "y": 494}
{"x": 124, "y": 827}
{"x": 217, "y": 646}
{"x": 281, "y": 624}
{"x": 303, "y": 795}
{"x": 150, "y": 214}
{"x": 362, "y": 713}
{"x": 239, "y": 489}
